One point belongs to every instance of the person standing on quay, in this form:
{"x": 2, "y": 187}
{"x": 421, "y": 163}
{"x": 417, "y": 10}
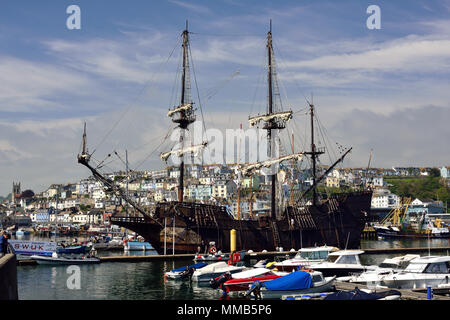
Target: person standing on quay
{"x": 4, "y": 243}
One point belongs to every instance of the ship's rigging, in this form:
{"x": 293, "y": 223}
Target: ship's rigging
{"x": 328, "y": 221}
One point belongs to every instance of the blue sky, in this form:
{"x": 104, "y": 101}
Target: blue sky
{"x": 385, "y": 90}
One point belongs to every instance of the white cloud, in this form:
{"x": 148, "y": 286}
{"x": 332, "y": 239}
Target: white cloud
{"x": 405, "y": 56}
{"x": 31, "y": 86}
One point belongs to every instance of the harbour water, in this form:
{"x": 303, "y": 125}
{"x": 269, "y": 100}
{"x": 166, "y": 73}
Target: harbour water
{"x": 145, "y": 280}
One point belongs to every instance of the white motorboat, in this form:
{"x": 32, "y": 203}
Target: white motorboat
{"x": 116, "y": 241}
{"x": 64, "y": 260}
{"x": 433, "y": 271}
{"x": 341, "y": 263}
{"x": 214, "y": 270}
{"x": 388, "y": 266}
{"x": 305, "y": 257}
{"x": 295, "y": 283}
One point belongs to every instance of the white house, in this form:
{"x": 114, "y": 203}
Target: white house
{"x": 377, "y": 181}
{"x": 224, "y": 189}
{"x": 445, "y": 172}
{"x": 385, "y": 199}
{"x": 40, "y": 216}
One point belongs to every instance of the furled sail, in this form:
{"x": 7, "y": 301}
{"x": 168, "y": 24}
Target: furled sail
{"x": 249, "y": 169}
{"x": 183, "y": 107}
{"x": 283, "y": 116}
{"x": 179, "y": 152}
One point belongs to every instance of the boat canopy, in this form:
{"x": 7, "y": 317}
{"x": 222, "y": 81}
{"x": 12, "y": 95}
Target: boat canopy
{"x": 346, "y": 252}
{"x": 293, "y": 281}
{"x": 196, "y": 266}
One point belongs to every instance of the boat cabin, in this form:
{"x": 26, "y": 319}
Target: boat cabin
{"x": 398, "y": 262}
{"x": 345, "y": 257}
{"x": 316, "y": 253}
{"x": 429, "y": 264}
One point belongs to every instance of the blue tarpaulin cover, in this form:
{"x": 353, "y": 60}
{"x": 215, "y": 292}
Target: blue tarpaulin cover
{"x": 196, "y": 266}
{"x": 293, "y": 281}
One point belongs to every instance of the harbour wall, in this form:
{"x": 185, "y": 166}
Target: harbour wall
{"x": 8, "y": 277}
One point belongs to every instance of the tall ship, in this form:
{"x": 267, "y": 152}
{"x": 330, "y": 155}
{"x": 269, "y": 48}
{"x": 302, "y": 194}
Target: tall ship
{"x": 308, "y": 220}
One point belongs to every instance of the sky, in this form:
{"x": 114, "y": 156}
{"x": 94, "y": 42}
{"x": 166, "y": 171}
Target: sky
{"x": 382, "y": 90}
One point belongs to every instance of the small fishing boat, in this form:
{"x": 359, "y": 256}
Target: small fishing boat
{"x": 55, "y": 259}
{"x": 305, "y": 257}
{"x": 295, "y": 283}
{"x": 184, "y": 272}
{"x": 214, "y": 270}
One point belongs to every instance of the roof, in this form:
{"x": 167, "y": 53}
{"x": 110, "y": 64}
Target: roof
{"x": 431, "y": 259}
{"x": 346, "y": 252}
{"x": 323, "y": 248}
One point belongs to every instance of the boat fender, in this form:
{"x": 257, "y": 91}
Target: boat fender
{"x": 212, "y": 250}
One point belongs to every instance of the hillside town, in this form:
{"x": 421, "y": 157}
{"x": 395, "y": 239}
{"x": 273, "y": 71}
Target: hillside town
{"x": 86, "y": 203}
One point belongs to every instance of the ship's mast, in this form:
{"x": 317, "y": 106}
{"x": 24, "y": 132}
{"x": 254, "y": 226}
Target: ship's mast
{"x": 186, "y": 116}
{"x": 270, "y": 111}
{"x": 313, "y": 153}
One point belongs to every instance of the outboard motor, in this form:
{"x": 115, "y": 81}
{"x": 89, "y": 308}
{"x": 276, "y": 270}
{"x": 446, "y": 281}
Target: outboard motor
{"x": 187, "y": 273}
{"x": 219, "y": 281}
{"x": 255, "y": 289}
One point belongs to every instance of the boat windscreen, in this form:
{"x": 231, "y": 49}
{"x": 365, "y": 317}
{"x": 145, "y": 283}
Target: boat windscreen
{"x": 313, "y": 254}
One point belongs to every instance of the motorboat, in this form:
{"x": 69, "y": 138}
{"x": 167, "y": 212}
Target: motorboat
{"x": 305, "y": 257}
{"x": 71, "y": 249}
{"x": 116, "y": 241}
{"x": 242, "y": 280}
{"x": 215, "y": 270}
{"x": 388, "y": 266}
{"x": 433, "y": 271}
{"x": 261, "y": 263}
{"x": 55, "y": 259}
{"x": 294, "y": 283}
{"x": 184, "y": 272}
{"x": 341, "y": 263}
{"x": 138, "y": 246}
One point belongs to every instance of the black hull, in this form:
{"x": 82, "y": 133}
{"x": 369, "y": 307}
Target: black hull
{"x": 336, "y": 222}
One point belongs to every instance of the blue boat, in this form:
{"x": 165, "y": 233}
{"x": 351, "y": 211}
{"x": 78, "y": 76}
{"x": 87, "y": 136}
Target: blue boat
{"x": 138, "y": 246}
{"x": 298, "y": 282}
